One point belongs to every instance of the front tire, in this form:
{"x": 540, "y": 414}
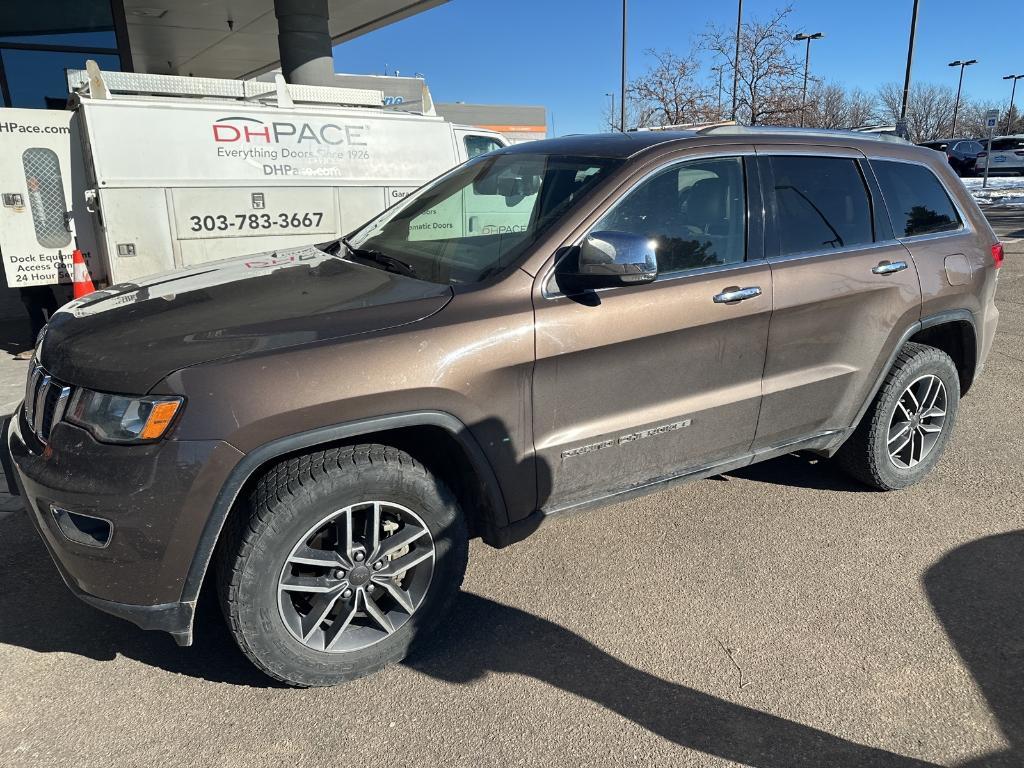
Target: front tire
{"x": 342, "y": 559}
{"x": 906, "y": 429}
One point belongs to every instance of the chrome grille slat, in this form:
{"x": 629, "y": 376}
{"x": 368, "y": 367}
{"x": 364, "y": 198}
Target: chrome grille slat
{"x": 46, "y": 401}
{"x": 58, "y": 410}
{"x": 30, "y": 393}
{"x": 40, "y": 406}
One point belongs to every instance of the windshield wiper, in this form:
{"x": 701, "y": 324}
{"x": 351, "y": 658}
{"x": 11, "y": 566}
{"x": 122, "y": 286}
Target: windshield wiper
{"x": 389, "y": 263}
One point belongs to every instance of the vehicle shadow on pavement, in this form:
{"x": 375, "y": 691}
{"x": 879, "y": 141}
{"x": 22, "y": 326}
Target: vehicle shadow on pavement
{"x": 801, "y": 470}
{"x": 483, "y": 636}
{"x": 977, "y": 592}
{"x": 38, "y": 612}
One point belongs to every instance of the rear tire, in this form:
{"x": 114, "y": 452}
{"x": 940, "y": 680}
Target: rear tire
{"x": 900, "y": 439}
{"x": 313, "y": 543}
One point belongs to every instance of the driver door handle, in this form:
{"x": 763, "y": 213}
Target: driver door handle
{"x": 733, "y": 294}
{"x": 888, "y": 267}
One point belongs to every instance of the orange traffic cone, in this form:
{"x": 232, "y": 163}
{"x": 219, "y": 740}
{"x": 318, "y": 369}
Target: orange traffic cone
{"x": 80, "y": 276}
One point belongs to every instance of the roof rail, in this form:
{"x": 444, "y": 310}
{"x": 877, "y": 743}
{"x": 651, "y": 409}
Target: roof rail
{"x": 92, "y": 83}
{"x": 726, "y": 130}
{"x": 699, "y": 127}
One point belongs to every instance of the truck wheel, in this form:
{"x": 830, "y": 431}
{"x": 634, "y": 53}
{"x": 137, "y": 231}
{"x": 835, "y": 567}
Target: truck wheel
{"x": 342, "y": 559}
{"x": 906, "y": 429}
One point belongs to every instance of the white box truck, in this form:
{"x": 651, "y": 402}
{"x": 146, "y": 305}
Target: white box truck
{"x": 151, "y": 173}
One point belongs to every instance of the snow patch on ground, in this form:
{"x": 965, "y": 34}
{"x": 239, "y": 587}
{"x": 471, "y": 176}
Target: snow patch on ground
{"x": 1001, "y": 190}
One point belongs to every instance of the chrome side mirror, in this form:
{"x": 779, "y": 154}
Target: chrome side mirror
{"x": 610, "y": 258}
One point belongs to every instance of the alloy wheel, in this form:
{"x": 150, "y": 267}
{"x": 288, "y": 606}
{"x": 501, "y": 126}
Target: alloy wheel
{"x": 356, "y": 577}
{"x": 917, "y": 420}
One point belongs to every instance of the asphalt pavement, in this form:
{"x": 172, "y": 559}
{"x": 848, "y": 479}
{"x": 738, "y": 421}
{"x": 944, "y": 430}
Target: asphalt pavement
{"x": 778, "y": 616}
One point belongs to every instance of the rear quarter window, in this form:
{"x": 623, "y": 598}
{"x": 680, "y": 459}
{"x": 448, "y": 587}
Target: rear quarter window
{"x": 1002, "y": 145}
{"x": 918, "y": 203}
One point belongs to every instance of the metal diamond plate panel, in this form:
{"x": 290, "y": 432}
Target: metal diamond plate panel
{"x": 46, "y": 197}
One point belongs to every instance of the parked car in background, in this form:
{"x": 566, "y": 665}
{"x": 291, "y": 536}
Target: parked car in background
{"x": 1007, "y": 155}
{"x": 316, "y": 432}
{"x": 963, "y": 154}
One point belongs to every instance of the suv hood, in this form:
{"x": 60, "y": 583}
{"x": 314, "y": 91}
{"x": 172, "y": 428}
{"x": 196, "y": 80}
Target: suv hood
{"x": 128, "y": 337}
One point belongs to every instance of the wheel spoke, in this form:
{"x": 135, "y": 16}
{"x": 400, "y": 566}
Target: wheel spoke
{"x": 935, "y": 396}
{"x": 931, "y": 428}
{"x": 895, "y": 451}
{"x": 933, "y": 413}
{"x": 321, "y": 606}
{"x": 306, "y": 555}
{"x": 341, "y": 625}
{"x": 396, "y": 541}
{"x": 375, "y": 527}
{"x": 401, "y": 596}
{"x": 903, "y": 427}
{"x": 927, "y": 384}
{"x": 349, "y": 543}
{"x": 913, "y": 397}
{"x": 405, "y": 562}
{"x": 374, "y": 611}
{"x": 291, "y": 583}
{"x": 906, "y": 413}
{"x": 915, "y": 440}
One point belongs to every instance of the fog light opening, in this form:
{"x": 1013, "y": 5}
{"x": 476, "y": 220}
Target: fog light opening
{"x": 87, "y": 530}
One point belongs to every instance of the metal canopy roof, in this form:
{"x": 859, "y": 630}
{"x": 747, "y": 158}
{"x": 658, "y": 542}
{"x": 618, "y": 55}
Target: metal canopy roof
{"x": 185, "y": 37}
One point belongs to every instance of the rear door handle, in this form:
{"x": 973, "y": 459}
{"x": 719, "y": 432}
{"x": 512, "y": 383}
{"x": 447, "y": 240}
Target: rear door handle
{"x": 734, "y": 294}
{"x": 888, "y": 267}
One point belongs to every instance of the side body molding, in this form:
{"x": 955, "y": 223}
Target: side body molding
{"x": 320, "y": 436}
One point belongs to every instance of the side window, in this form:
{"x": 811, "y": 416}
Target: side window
{"x": 480, "y": 145}
{"x": 917, "y": 201}
{"x": 695, "y": 210}
{"x": 821, "y": 203}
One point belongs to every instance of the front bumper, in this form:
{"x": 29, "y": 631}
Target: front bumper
{"x": 157, "y": 499}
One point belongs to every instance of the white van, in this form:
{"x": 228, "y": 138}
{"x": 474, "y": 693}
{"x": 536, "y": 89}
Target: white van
{"x": 151, "y": 173}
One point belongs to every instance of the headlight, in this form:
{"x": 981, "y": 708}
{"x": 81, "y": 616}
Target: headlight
{"x": 122, "y": 419}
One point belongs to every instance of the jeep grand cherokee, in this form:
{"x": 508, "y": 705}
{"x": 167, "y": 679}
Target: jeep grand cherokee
{"x": 319, "y": 431}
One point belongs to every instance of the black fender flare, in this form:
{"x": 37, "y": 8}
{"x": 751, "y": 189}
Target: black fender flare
{"x": 253, "y": 460}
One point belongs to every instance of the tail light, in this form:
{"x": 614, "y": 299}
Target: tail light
{"x": 982, "y": 154}
{"x": 997, "y": 255}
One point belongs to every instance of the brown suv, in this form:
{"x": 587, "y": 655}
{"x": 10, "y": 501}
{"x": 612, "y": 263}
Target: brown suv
{"x": 319, "y": 431}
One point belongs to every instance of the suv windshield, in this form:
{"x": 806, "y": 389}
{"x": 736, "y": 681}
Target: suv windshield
{"x": 480, "y": 218}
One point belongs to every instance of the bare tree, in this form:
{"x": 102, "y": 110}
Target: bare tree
{"x": 669, "y": 93}
{"x": 862, "y": 108}
{"x": 827, "y": 106}
{"x": 929, "y": 109}
{"x": 769, "y": 75}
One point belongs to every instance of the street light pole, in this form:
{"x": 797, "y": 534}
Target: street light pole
{"x": 611, "y": 113}
{"x": 910, "y": 62}
{"x": 736, "y": 60}
{"x": 959, "y": 88}
{"x": 719, "y": 69}
{"x": 807, "y": 66}
{"x": 1013, "y": 92}
{"x": 622, "y": 91}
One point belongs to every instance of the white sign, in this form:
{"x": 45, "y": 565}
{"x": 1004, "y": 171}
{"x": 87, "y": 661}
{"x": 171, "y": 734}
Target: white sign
{"x": 206, "y": 213}
{"x": 37, "y": 169}
{"x": 216, "y": 144}
{"x": 991, "y": 118}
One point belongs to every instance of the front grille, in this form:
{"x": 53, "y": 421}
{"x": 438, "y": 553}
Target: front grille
{"x": 46, "y": 400}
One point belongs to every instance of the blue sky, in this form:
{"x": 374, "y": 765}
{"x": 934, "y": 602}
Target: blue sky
{"x": 564, "y": 55}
